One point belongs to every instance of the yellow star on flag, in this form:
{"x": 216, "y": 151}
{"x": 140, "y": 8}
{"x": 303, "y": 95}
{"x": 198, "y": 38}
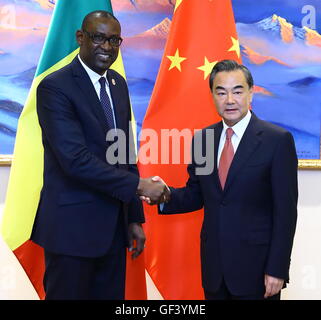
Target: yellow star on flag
{"x": 176, "y": 61}
{"x": 235, "y": 47}
{"x": 207, "y": 67}
{"x": 178, "y": 2}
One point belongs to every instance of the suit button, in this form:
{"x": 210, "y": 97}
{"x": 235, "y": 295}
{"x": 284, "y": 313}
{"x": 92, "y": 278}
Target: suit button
{"x": 223, "y": 203}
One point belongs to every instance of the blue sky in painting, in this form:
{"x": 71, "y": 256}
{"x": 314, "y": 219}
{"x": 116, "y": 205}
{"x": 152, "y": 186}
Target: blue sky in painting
{"x": 248, "y": 11}
{"x": 292, "y": 86}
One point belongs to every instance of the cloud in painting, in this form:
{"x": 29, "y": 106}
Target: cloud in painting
{"x": 274, "y": 38}
{"x": 154, "y": 38}
{"x": 46, "y": 4}
{"x": 166, "y": 6}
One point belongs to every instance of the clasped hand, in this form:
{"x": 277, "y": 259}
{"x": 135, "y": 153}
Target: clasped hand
{"x": 153, "y": 190}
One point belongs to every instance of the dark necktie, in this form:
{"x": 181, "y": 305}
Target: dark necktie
{"x": 226, "y": 157}
{"x": 105, "y": 102}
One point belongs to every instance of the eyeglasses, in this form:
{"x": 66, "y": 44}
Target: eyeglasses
{"x": 100, "y": 39}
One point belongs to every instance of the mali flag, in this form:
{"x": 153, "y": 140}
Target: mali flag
{"x": 202, "y": 33}
{"x": 25, "y": 181}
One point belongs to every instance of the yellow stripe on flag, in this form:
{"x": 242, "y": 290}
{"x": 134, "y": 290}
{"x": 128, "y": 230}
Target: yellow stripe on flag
{"x": 25, "y": 185}
{"x": 27, "y": 169}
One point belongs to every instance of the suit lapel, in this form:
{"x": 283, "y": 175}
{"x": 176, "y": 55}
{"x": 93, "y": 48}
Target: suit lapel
{"x": 117, "y": 97}
{"x": 248, "y": 144}
{"x": 83, "y": 81}
{"x": 217, "y": 135}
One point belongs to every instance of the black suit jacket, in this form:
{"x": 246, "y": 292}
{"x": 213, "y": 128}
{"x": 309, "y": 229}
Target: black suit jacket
{"x": 249, "y": 226}
{"x": 82, "y": 196}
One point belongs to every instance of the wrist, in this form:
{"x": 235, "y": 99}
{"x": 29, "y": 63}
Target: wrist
{"x": 140, "y": 186}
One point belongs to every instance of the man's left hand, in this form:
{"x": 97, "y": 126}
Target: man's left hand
{"x": 272, "y": 285}
{"x": 136, "y": 232}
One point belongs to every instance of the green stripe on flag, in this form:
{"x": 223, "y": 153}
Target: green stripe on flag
{"x": 66, "y": 19}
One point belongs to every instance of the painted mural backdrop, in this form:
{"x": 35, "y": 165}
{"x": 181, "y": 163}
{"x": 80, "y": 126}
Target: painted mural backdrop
{"x": 284, "y": 55}
{"x": 280, "y": 44}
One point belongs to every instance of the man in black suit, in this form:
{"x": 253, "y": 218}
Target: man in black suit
{"x": 250, "y": 198}
{"x": 89, "y": 209}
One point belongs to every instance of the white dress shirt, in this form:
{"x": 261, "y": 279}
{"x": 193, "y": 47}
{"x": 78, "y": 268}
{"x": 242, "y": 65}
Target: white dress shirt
{"x": 239, "y": 129}
{"x": 94, "y": 77}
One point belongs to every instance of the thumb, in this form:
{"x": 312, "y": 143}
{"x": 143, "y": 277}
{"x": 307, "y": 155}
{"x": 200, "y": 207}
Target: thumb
{"x": 130, "y": 243}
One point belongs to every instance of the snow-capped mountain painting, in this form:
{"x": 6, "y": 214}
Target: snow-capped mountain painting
{"x": 283, "y": 54}
{"x": 286, "y": 61}
{"x": 145, "y": 26}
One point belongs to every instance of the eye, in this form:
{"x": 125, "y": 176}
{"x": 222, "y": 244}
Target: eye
{"x": 98, "y": 38}
{"x": 221, "y": 94}
{"x": 237, "y": 92}
{"x": 115, "y": 40}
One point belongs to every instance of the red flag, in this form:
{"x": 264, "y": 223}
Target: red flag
{"x": 202, "y": 33}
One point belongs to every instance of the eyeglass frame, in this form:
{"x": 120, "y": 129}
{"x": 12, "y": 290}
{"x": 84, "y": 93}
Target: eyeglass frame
{"x": 91, "y": 36}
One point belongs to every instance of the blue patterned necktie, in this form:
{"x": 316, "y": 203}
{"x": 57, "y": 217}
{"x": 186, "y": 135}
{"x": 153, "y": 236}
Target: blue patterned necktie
{"x": 105, "y": 102}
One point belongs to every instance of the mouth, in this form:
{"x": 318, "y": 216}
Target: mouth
{"x": 231, "y": 110}
{"x": 104, "y": 56}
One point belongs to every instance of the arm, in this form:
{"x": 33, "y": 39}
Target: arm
{"x": 285, "y": 197}
{"x": 63, "y": 134}
{"x": 188, "y": 198}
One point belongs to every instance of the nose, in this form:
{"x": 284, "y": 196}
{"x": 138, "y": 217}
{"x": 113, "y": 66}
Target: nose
{"x": 229, "y": 98}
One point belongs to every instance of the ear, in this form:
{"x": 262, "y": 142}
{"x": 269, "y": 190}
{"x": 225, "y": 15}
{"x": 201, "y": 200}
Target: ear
{"x": 251, "y": 94}
{"x": 80, "y": 37}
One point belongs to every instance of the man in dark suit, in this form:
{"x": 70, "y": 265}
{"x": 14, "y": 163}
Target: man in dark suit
{"x": 250, "y": 198}
{"x": 89, "y": 209}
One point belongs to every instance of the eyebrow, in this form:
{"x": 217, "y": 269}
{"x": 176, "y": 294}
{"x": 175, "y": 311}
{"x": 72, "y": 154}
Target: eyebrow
{"x": 236, "y": 87}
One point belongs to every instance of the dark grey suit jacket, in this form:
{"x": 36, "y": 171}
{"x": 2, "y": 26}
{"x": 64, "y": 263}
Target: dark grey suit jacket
{"x": 249, "y": 226}
{"x": 83, "y": 196}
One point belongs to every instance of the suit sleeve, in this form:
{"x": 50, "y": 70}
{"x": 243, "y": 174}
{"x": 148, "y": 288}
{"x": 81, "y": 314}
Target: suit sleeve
{"x": 285, "y": 196}
{"x": 135, "y": 207}
{"x": 188, "y": 198}
{"x": 64, "y": 135}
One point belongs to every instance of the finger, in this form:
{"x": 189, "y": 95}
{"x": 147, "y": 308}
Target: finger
{"x": 276, "y": 288}
{"x": 146, "y": 199}
{"x": 156, "y": 178}
{"x": 139, "y": 248}
{"x": 268, "y": 290}
{"x": 167, "y": 194}
{"x": 130, "y": 247}
{"x": 134, "y": 254}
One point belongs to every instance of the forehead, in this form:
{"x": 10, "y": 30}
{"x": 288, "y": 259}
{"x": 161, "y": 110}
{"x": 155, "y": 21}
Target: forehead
{"x": 230, "y": 79}
{"x": 103, "y": 25}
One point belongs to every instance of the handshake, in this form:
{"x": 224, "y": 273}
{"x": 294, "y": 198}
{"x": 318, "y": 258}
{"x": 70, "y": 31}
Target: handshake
{"x": 153, "y": 190}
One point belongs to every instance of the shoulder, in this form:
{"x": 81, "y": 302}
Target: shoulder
{"x": 272, "y": 129}
{"x": 116, "y": 75}
{"x": 272, "y": 134}
{"x": 57, "y": 78}
{"x": 211, "y": 128}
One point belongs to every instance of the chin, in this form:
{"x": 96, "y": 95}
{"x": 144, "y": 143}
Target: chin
{"x": 103, "y": 66}
{"x": 231, "y": 121}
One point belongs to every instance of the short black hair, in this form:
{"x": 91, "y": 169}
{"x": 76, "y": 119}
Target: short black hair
{"x": 231, "y": 65}
{"x": 96, "y": 14}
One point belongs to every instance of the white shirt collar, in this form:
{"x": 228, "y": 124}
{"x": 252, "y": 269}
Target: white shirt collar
{"x": 240, "y": 127}
{"x": 94, "y": 76}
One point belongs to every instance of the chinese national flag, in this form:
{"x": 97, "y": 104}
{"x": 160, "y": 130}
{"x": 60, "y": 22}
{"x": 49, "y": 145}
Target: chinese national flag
{"x": 202, "y": 33}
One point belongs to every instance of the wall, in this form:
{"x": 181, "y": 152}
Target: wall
{"x": 305, "y": 270}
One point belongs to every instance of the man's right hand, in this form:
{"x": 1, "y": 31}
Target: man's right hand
{"x": 154, "y": 190}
